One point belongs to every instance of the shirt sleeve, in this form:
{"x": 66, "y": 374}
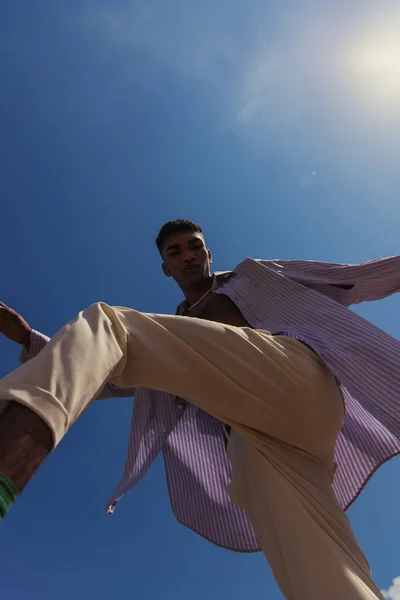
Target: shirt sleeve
{"x": 37, "y": 343}
{"x": 347, "y": 284}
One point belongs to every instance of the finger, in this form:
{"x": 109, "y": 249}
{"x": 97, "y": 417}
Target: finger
{"x": 5, "y": 307}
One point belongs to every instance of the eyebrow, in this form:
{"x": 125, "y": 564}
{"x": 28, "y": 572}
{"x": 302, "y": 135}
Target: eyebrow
{"x": 178, "y": 246}
{"x": 173, "y": 247}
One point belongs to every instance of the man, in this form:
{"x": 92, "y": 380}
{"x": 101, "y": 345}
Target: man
{"x": 266, "y": 359}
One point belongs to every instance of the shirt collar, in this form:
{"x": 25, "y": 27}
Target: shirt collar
{"x": 219, "y": 278}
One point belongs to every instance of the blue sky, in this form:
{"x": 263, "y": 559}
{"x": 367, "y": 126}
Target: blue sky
{"x": 276, "y": 126}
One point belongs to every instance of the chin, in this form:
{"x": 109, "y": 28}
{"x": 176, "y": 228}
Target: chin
{"x": 190, "y": 279}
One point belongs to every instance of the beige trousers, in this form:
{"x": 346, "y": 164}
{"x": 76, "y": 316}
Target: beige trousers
{"x": 281, "y": 400}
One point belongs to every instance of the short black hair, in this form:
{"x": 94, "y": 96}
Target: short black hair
{"x": 174, "y": 227}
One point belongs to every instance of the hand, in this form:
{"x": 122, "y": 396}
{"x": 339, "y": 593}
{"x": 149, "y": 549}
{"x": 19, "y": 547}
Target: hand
{"x": 13, "y": 326}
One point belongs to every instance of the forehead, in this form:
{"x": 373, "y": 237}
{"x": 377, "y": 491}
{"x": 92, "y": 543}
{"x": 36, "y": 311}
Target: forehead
{"x": 182, "y": 238}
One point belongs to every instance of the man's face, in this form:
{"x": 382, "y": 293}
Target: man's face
{"x": 186, "y": 258}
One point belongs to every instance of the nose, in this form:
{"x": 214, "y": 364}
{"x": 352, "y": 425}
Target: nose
{"x": 189, "y": 256}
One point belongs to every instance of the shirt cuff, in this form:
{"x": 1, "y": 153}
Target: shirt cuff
{"x": 37, "y": 343}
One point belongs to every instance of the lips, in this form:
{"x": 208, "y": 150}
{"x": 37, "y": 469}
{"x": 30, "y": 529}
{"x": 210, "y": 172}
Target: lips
{"x": 191, "y": 267}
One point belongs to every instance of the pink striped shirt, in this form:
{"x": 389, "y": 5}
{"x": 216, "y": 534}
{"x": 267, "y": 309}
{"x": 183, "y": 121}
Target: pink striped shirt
{"x": 308, "y": 300}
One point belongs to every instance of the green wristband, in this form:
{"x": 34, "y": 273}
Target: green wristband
{"x": 8, "y": 495}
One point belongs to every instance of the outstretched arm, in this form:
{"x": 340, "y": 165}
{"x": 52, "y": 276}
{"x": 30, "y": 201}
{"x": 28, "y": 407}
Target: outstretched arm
{"x": 347, "y": 284}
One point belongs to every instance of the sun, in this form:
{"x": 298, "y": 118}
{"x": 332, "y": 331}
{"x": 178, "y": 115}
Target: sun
{"x": 372, "y": 62}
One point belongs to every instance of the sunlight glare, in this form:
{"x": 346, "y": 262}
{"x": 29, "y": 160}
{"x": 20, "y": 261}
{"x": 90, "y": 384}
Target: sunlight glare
{"x": 373, "y": 61}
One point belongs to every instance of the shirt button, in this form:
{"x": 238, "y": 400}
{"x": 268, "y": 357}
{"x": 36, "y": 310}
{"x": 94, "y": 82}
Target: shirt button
{"x": 180, "y": 404}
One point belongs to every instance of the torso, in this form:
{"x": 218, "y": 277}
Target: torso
{"x": 219, "y": 308}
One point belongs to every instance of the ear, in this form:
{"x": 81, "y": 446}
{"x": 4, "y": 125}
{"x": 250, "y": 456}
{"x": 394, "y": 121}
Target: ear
{"x": 165, "y": 269}
{"x": 209, "y": 256}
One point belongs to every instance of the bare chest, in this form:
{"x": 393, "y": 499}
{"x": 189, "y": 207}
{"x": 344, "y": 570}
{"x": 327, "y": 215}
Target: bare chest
{"x": 219, "y": 308}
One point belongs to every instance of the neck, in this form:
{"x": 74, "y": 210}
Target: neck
{"x": 196, "y": 291}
